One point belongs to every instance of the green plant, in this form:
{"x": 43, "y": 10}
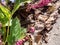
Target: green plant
{"x": 14, "y": 31}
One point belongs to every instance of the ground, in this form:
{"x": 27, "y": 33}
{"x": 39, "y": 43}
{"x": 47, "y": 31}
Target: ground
{"x": 54, "y": 34}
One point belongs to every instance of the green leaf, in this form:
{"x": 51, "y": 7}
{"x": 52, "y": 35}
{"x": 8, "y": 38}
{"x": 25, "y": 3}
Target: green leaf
{"x": 5, "y": 15}
{"x": 1, "y": 31}
{"x": 18, "y": 4}
{"x": 16, "y": 32}
{"x": 6, "y": 12}
{"x": 3, "y": 18}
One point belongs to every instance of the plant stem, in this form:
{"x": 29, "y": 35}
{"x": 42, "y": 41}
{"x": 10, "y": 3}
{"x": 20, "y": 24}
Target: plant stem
{"x": 7, "y": 32}
{"x": 8, "y": 28}
{"x": 4, "y": 28}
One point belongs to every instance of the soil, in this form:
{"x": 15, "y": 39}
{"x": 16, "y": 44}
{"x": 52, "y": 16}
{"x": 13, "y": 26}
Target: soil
{"x": 54, "y": 34}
